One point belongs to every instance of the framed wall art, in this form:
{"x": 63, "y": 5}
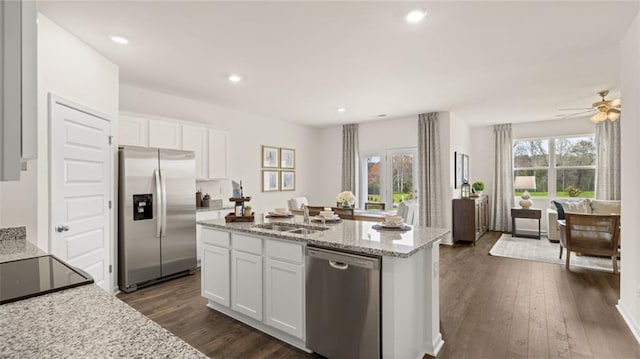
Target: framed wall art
{"x": 287, "y": 181}
{"x": 270, "y": 181}
{"x": 270, "y": 157}
{"x": 287, "y": 158}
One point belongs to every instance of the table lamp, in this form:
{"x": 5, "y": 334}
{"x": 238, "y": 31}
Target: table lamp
{"x": 525, "y": 183}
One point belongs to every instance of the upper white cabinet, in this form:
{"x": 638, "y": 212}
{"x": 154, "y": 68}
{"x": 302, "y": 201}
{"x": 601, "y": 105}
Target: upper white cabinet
{"x": 218, "y": 153}
{"x": 133, "y": 131}
{"x": 18, "y": 95}
{"x": 209, "y": 145}
{"x": 165, "y": 134}
{"x": 194, "y": 138}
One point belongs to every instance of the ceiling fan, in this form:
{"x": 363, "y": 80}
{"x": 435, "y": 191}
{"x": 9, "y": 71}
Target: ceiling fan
{"x": 605, "y": 109}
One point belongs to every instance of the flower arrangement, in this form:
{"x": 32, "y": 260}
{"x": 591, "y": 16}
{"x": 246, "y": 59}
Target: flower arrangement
{"x": 346, "y": 198}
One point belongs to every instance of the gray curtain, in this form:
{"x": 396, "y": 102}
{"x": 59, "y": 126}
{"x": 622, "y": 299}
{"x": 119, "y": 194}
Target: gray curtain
{"x": 608, "y": 160}
{"x": 503, "y": 196}
{"x": 349, "y": 157}
{"x": 429, "y": 171}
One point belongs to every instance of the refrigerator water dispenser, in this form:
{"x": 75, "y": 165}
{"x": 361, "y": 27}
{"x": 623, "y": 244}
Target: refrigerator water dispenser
{"x": 142, "y": 206}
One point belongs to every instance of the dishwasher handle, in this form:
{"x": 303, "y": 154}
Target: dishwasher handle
{"x": 338, "y": 265}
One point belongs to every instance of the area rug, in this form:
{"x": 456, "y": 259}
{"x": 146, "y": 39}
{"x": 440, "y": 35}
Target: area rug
{"x": 544, "y": 251}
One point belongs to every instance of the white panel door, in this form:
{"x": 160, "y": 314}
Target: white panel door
{"x": 215, "y": 274}
{"x": 80, "y": 189}
{"x": 246, "y": 284}
{"x": 218, "y": 154}
{"x": 284, "y": 297}
{"x": 133, "y": 131}
{"x": 165, "y": 134}
{"x": 195, "y": 138}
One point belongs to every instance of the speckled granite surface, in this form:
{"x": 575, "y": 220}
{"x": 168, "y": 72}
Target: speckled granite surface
{"x": 82, "y": 322}
{"x": 357, "y": 236}
{"x": 13, "y": 233}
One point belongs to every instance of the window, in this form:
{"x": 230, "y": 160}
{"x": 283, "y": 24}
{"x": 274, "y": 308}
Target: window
{"x": 390, "y": 178}
{"x": 563, "y": 167}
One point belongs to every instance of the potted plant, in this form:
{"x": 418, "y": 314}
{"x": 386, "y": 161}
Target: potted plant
{"x": 247, "y": 210}
{"x": 478, "y": 187}
{"x": 346, "y": 199}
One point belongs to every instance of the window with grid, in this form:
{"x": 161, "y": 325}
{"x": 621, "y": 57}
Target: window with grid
{"x": 562, "y": 166}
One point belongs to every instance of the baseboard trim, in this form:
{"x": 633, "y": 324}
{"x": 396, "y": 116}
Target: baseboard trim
{"x": 633, "y": 325}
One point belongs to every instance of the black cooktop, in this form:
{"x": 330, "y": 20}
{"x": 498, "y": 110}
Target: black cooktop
{"x": 31, "y": 277}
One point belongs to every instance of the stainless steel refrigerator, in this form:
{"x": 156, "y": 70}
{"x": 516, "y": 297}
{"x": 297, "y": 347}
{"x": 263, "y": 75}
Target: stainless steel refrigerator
{"x": 156, "y": 217}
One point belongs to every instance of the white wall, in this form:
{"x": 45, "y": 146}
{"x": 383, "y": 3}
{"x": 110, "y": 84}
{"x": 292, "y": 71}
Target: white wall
{"x": 629, "y": 304}
{"x": 482, "y": 154}
{"x": 247, "y": 133}
{"x": 18, "y": 202}
{"x": 68, "y": 68}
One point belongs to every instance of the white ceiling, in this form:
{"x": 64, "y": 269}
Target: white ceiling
{"x": 487, "y": 62}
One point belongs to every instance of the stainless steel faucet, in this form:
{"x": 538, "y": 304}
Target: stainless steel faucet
{"x": 306, "y": 214}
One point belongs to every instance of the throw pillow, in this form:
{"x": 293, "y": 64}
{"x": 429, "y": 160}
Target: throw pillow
{"x": 581, "y": 206}
{"x": 605, "y": 207}
{"x": 559, "y": 209}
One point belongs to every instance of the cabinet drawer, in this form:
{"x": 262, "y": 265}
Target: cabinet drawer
{"x": 215, "y": 237}
{"x": 290, "y": 252}
{"x": 247, "y": 244}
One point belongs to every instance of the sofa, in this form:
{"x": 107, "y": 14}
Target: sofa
{"x": 577, "y": 205}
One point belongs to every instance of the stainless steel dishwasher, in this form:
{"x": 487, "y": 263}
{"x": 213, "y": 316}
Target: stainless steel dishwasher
{"x": 343, "y": 304}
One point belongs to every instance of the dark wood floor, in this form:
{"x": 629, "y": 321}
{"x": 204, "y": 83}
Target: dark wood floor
{"x": 490, "y": 307}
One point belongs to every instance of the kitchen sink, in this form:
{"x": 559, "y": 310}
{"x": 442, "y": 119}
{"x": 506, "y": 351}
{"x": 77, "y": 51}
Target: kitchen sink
{"x": 291, "y": 228}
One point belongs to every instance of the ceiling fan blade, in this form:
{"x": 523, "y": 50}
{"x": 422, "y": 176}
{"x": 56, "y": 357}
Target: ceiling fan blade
{"x": 615, "y": 103}
{"x": 575, "y": 109}
{"x": 569, "y": 115}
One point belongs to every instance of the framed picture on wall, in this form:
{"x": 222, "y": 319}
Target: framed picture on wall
{"x": 287, "y": 181}
{"x": 458, "y": 164}
{"x": 270, "y": 181}
{"x": 287, "y": 158}
{"x": 270, "y": 157}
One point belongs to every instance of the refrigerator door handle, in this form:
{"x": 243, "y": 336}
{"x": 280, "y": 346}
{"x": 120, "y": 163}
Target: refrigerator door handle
{"x": 160, "y": 201}
{"x": 164, "y": 204}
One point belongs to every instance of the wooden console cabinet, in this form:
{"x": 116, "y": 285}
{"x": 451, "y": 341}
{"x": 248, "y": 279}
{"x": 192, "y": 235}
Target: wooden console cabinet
{"x": 470, "y": 218}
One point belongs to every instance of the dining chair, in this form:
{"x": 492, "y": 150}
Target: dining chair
{"x": 315, "y": 210}
{"x": 344, "y": 213}
{"x": 374, "y": 206}
{"x": 591, "y": 234}
{"x": 408, "y": 210}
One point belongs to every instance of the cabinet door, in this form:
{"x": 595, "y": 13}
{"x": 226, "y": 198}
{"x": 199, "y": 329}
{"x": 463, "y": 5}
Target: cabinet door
{"x": 165, "y": 134}
{"x": 218, "y": 153}
{"x": 284, "y": 295}
{"x": 133, "y": 131}
{"x": 246, "y": 284}
{"x": 215, "y": 274}
{"x": 195, "y": 138}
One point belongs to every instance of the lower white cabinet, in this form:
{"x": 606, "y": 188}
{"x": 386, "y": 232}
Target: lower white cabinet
{"x": 284, "y": 290}
{"x": 246, "y": 284}
{"x": 215, "y": 279}
{"x": 203, "y": 216}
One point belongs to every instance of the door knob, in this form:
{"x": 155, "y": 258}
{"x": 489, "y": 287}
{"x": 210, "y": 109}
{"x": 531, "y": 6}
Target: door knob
{"x": 62, "y": 228}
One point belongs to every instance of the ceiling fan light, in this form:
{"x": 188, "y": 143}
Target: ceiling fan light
{"x": 599, "y": 117}
{"x": 613, "y": 114}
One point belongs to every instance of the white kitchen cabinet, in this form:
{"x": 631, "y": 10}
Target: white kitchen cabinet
{"x": 215, "y": 279}
{"x": 200, "y": 230}
{"x": 196, "y": 139}
{"x": 18, "y": 81}
{"x": 165, "y": 134}
{"x": 133, "y": 131}
{"x": 284, "y": 299}
{"x": 218, "y": 154}
{"x": 246, "y": 284}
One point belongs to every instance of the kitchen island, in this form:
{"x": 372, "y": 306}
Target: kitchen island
{"x": 81, "y": 322}
{"x": 255, "y": 273}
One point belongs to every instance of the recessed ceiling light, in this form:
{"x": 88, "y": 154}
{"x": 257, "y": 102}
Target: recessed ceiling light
{"x": 415, "y": 16}
{"x": 119, "y": 39}
{"x": 341, "y": 109}
{"x": 382, "y": 115}
{"x": 235, "y": 78}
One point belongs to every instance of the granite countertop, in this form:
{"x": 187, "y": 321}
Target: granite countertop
{"x": 81, "y": 322}
{"x": 357, "y": 236}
